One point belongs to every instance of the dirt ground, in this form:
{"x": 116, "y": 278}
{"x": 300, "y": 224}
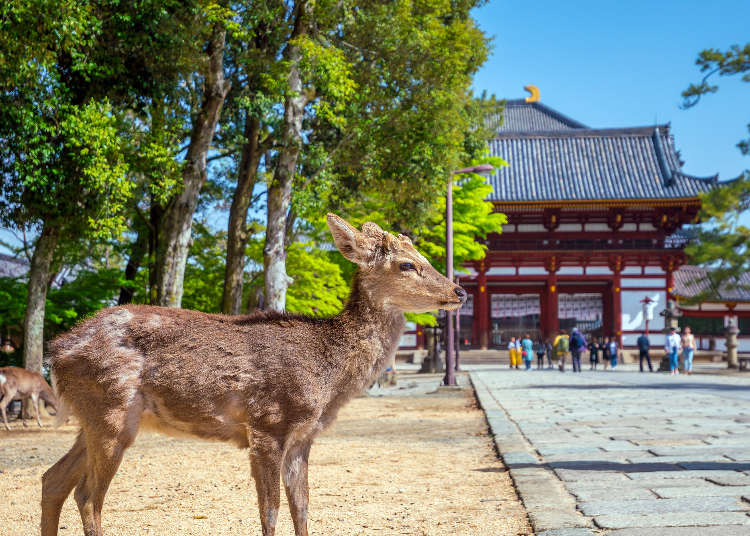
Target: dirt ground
{"x": 420, "y": 465}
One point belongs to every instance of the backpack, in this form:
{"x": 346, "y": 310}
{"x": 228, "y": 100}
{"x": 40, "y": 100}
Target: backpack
{"x": 563, "y": 344}
{"x": 576, "y": 341}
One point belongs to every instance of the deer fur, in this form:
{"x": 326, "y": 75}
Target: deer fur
{"x": 268, "y": 382}
{"x": 20, "y": 384}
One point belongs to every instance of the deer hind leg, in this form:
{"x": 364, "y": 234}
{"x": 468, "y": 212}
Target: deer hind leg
{"x": 58, "y": 482}
{"x": 265, "y": 465}
{"x": 106, "y": 442}
{"x": 294, "y": 472}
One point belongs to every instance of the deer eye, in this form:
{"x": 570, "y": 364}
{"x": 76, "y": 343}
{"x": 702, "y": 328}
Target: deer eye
{"x": 406, "y": 266}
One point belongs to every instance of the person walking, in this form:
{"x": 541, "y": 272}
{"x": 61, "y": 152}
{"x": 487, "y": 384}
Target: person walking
{"x": 541, "y": 349}
{"x": 550, "y": 351}
{"x": 606, "y": 357}
{"x": 512, "y": 352}
{"x": 577, "y": 347}
{"x": 643, "y": 351}
{"x": 594, "y": 349}
{"x": 614, "y": 351}
{"x": 527, "y": 351}
{"x": 672, "y": 346}
{"x": 562, "y": 347}
{"x": 688, "y": 350}
{"x": 518, "y": 352}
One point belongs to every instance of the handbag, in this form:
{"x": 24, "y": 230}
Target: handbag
{"x": 524, "y": 354}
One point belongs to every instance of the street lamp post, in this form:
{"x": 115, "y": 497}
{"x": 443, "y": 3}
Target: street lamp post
{"x": 450, "y": 372}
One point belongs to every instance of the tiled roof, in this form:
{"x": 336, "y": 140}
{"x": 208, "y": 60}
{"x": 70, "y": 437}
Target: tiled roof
{"x": 522, "y": 116}
{"x": 575, "y": 163}
{"x": 689, "y": 281}
{"x": 12, "y": 267}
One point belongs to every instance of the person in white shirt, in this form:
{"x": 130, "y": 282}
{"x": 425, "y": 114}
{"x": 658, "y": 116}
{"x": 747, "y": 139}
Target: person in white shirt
{"x": 672, "y": 346}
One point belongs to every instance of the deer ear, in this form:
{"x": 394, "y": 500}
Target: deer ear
{"x": 352, "y": 244}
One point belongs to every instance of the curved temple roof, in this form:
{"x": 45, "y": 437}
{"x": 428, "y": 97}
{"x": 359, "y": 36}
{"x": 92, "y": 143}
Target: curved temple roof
{"x": 689, "y": 281}
{"x": 554, "y": 158}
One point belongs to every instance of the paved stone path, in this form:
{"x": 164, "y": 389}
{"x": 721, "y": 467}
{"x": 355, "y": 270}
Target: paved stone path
{"x": 623, "y": 453}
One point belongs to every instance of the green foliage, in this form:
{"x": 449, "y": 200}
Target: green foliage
{"x": 318, "y": 285}
{"x": 66, "y": 304}
{"x": 722, "y": 243}
{"x": 411, "y": 119}
{"x": 204, "y": 272}
{"x": 97, "y": 100}
{"x": 714, "y": 62}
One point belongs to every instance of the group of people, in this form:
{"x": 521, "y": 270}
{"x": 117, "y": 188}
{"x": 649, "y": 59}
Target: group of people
{"x": 674, "y": 345}
{"x": 523, "y": 349}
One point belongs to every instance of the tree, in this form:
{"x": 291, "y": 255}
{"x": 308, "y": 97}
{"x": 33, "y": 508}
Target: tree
{"x": 74, "y": 75}
{"x": 178, "y": 217}
{"x": 63, "y": 175}
{"x": 722, "y": 243}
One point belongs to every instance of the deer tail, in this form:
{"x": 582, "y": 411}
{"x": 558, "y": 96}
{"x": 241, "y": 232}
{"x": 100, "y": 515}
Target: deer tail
{"x": 63, "y": 409}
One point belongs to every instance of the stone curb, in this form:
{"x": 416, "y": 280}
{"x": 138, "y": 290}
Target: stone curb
{"x": 551, "y": 509}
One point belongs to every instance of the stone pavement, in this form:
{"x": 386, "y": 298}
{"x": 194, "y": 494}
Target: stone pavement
{"x": 623, "y": 453}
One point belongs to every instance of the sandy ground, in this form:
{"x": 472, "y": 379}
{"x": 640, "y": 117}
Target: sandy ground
{"x": 390, "y": 465}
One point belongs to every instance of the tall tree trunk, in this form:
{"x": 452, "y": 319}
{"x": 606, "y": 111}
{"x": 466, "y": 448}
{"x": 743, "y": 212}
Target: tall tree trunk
{"x": 33, "y": 323}
{"x": 155, "y": 218}
{"x": 280, "y": 189}
{"x": 137, "y": 253}
{"x": 231, "y": 300}
{"x": 178, "y": 221}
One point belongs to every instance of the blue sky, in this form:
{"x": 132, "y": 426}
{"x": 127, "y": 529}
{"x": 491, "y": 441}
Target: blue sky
{"x": 619, "y": 64}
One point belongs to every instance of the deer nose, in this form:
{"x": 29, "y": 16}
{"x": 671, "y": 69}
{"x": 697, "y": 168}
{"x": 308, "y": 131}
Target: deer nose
{"x": 461, "y": 293}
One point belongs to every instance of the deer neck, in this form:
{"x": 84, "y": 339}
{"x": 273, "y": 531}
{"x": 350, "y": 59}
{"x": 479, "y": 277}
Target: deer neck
{"x": 368, "y": 333}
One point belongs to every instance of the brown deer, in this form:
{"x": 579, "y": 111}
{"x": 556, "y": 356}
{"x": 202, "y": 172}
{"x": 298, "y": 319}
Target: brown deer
{"x": 20, "y": 384}
{"x": 268, "y": 382}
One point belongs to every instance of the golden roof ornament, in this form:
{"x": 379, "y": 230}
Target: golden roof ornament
{"x": 534, "y": 97}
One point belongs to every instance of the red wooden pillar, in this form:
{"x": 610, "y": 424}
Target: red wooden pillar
{"x": 481, "y": 308}
{"x": 551, "y": 318}
{"x": 608, "y": 321}
{"x": 550, "y": 303}
{"x": 616, "y": 265}
{"x": 617, "y": 307}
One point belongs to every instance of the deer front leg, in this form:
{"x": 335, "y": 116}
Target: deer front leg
{"x": 265, "y": 465}
{"x": 294, "y": 472}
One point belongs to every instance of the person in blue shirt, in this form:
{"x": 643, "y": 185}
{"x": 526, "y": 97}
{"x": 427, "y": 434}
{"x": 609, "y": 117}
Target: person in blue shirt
{"x": 577, "y": 347}
{"x": 614, "y": 351}
{"x": 527, "y": 351}
{"x": 672, "y": 346}
{"x": 643, "y": 347}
